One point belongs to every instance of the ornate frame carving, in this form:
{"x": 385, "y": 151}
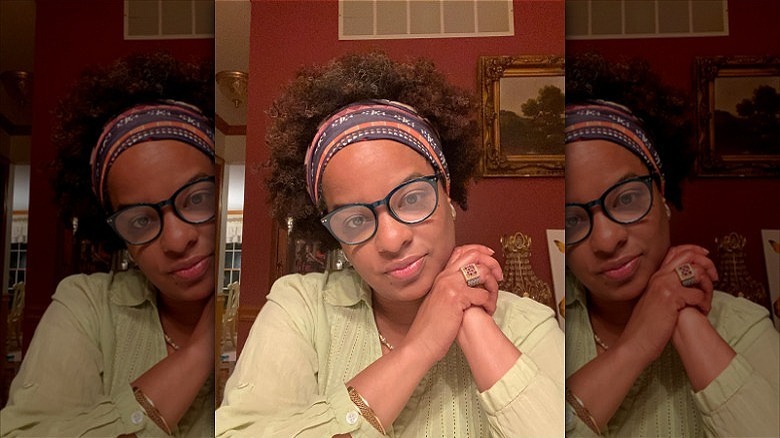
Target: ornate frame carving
{"x": 497, "y": 160}
{"x": 719, "y": 80}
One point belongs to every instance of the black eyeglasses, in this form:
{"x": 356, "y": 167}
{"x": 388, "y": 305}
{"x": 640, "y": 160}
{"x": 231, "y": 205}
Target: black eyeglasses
{"x": 194, "y": 203}
{"x": 411, "y": 202}
{"x": 625, "y": 202}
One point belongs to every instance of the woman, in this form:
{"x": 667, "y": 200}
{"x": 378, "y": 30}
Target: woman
{"x": 131, "y": 353}
{"x": 651, "y": 349}
{"x": 416, "y": 340}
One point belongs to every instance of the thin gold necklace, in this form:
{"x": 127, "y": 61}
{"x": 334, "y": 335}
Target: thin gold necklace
{"x": 169, "y": 341}
{"x": 384, "y": 342}
{"x": 600, "y": 342}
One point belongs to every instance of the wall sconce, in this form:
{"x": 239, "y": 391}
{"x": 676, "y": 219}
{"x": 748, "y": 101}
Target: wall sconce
{"x": 233, "y": 84}
{"x": 18, "y": 84}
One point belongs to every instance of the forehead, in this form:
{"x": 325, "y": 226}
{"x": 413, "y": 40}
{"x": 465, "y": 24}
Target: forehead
{"x": 152, "y": 171}
{"x": 592, "y": 166}
{"x": 368, "y": 170}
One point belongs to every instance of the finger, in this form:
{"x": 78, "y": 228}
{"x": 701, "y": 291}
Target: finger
{"x": 705, "y": 285}
{"x": 699, "y": 261}
{"x": 676, "y": 250}
{"x": 708, "y": 265}
{"x": 680, "y": 257}
{"x": 703, "y": 267}
{"x": 491, "y": 285}
{"x": 690, "y": 297}
{"x": 478, "y": 258}
{"x": 477, "y": 296}
{"x": 459, "y": 250}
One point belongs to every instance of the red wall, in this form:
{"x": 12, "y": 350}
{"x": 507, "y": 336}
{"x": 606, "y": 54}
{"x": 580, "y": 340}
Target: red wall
{"x": 286, "y": 35}
{"x": 714, "y": 207}
{"x": 70, "y": 35}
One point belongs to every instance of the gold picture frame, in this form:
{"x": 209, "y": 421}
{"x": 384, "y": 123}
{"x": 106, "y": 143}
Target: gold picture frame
{"x": 734, "y": 136}
{"x": 522, "y": 115}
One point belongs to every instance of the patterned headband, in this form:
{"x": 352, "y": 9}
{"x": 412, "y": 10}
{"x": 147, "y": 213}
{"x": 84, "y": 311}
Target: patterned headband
{"x": 602, "y": 120}
{"x": 371, "y": 120}
{"x": 167, "y": 120}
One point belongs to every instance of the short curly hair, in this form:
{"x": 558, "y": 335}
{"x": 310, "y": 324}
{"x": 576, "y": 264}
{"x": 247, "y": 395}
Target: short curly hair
{"x": 318, "y": 91}
{"x": 664, "y": 111}
{"x": 100, "y": 94}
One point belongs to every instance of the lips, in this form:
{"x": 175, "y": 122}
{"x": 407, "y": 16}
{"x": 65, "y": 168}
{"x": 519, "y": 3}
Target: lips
{"x": 192, "y": 269}
{"x": 622, "y": 269}
{"x": 406, "y": 269}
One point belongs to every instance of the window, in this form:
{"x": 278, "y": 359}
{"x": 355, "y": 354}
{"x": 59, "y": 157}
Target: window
{"x": 17, "y": 265}
{"x": 169, "y": 19}
{"x": 397, "y": 19}
{"x": 619, "y": 19}
{"x": 232, "y": 264}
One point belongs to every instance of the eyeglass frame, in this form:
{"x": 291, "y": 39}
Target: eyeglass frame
{"x": 588, "y": 206}
{"x": 433, "y": 180}
{"x": 158, "y": 208}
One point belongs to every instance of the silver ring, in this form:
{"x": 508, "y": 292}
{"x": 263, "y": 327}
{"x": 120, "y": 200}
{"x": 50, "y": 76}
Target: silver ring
{"x": 471, "y": 274}
{"x": 687, "y": 274}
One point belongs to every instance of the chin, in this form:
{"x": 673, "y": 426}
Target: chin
{"x": 196, "y": 291}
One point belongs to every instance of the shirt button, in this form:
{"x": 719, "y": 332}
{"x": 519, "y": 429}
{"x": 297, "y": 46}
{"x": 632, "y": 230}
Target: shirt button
{"x": 352, "y": 417}
{"x": 137, "y": 417}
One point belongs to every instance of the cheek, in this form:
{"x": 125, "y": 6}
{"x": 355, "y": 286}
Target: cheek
{"x": 208, "y": 233}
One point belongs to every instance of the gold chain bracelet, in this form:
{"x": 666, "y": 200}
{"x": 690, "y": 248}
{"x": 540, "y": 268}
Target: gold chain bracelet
{"x": 582, "y": 411}
{"x": 365, "y": 410}
{"x": 151, "y": 410}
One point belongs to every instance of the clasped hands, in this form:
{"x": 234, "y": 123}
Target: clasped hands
{"x": 451, "y": 307}
{"x": 666, "y": 302}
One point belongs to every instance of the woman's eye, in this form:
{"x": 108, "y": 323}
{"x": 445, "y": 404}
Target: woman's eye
{"x": 412, "y": 198}
{"x": 356, "y": 221}
{"x": 195, "y": 199}
{"x": 625, "y": 199}
{"x": 198, "y": 198}
{"x": 573, "y": 221}
{"x": 139, "y": 222}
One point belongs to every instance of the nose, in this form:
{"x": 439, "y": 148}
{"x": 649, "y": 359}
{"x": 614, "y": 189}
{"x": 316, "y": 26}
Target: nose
{"x": 176, "y": 236}
{"x": 606, "y": 236}
{"x": 391, "y": 235}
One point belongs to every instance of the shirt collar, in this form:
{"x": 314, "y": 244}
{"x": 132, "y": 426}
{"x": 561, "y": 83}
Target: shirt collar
{"x": 131, "y": 288}
{"x": 345, "y": 288}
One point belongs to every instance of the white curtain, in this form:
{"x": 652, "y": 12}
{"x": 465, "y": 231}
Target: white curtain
{"x": 19, "y": 228}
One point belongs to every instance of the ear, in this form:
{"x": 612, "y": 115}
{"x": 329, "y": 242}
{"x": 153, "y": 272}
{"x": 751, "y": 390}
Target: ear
{"x": 668, "y": 210}
{"x": 453, "y": 211}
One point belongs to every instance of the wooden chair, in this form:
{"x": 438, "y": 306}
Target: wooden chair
{"x": 231, "y": 313}
{"x": 14, "y": 319}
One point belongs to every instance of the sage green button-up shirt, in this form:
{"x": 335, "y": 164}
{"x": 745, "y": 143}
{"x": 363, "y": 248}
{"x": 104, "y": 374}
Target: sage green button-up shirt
{"x": 100, "y": 333}
{"x": 317, "y": 331}
{"x": 743, "y": 400}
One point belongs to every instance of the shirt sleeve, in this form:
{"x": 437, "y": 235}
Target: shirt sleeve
{"x": 529, "y": 399}
{"x": 59, "y": 390}
{"x": 266, "y": 395}
{"x": 745, "y": 398}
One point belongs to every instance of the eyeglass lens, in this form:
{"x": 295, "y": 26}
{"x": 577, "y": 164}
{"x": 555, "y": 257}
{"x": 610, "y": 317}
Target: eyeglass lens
{"x": 194, "y": 203}
{"x": 623, "y": 203}
{"x": 411, "y": 202}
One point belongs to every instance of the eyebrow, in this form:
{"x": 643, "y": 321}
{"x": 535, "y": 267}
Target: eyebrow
{"x": 194, "y": 178}
{"x": 627, "y": 175}
{"x": 408, "y": 178}
{"x": 624, "y": 177}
